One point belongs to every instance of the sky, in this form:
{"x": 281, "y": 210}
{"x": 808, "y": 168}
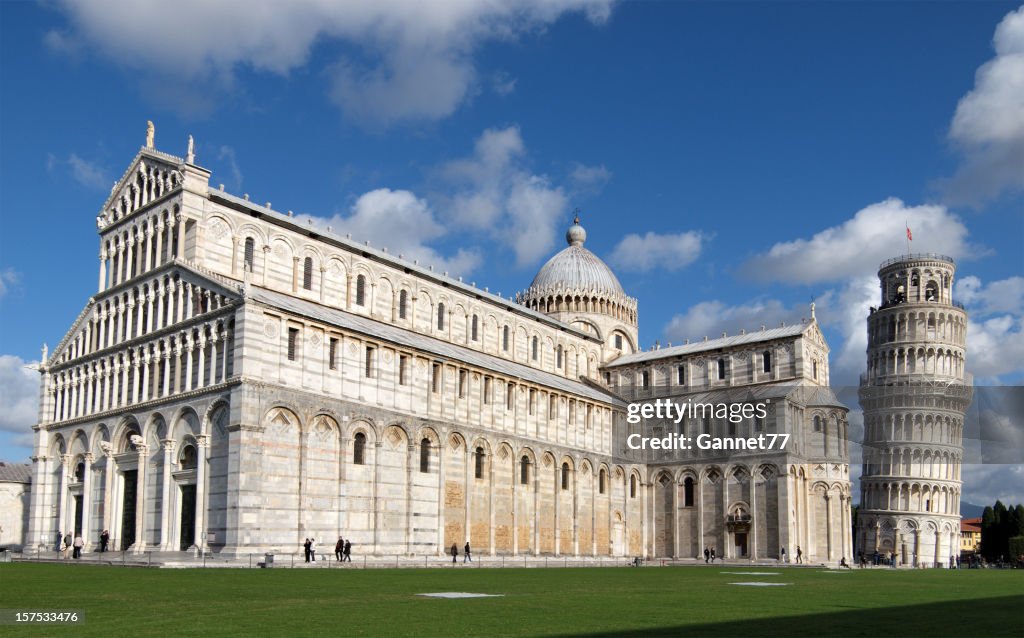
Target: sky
{"x": 731, "y": 161}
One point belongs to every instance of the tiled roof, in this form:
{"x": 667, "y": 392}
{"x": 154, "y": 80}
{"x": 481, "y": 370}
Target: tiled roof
{"x": 15, "y": 472}
{"x": 712, "y": 344}
{"x": 442, "y": 349}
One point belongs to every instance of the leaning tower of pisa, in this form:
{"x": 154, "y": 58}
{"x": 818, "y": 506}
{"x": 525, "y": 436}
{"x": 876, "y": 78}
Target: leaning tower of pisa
{"x": 914, "y": 395}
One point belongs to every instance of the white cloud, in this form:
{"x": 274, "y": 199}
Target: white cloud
{"x": 377, "y": 214}
{"x": 1006, "y": 295}
{"x": 8, "y": 278}
{"x": 496, "y": 194}
{"x": 86, "y": 173}
{"x": 995, "y": 329}
{"x": 988, "y": 125}
{"x": 860, "y": 244}
{"x": 589, "y": 179}
{"x": 226, "y": 154}
{"x": 503, "y": 84}
{"x": 670, "y": 252}
{"x": 711, "y": 318}
{"x": 19, "y": 394}
{"x": 985, "y": 484}
{"x": 409, "y": 60}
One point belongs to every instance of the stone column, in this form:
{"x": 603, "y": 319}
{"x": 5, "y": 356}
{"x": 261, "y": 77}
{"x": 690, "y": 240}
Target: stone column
{"x": 103, "y": 271}
{"x": 295, "y": 274}
{"x": 181, "y": 236}
{"x": 673, "y": 519}
{"x": 213, "y": 355}
{"x": 165, "y": 497}
{"x": 753, "y": 514}
{"x": 442, "y": 450}
{"x": 159, "y": 243}
{"x": 165, "y": 357}
{"x": 556, "y": 489}
{"x": 140, "y": 497}
{"x": 109, "y": 471}
{"x": 187, "y": 368}
{"x": 266, "y": 252}
{"x": 87, "y": 498}
{"x": 515, "y": 506}
{"x": 62, "y": 494}
{"x": 148, "y": 327}
{"x": 147, "y": 263}
{"x": 129, "y": 261}
{"x": 201, "y": 362}
{"x": 470, "y": 468}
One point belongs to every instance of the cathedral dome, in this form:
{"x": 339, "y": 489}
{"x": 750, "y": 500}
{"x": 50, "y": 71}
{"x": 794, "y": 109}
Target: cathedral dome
{"x": 576, "y": 269}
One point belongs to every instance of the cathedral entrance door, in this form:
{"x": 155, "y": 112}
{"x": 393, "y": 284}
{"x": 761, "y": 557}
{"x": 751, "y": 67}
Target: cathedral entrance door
{"x": 741, "y": 544}
{"x": 78, "y": 515}
{"x": 188, "y": 516}
{"x": 131, "y": 484}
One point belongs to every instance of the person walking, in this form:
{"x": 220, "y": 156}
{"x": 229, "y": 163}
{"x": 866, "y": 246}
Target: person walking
{"x": 348, "y": 551}
{"x": 783, "y": 553}
{"x": 707, "y": 554}
{"x": 455, "y": 553}
{"x": 339, "y": 549}
{"x": 307, "y": 547}
{"x": 104, "y": 540}
{"x": 712, "y": 555}
{"x": 468, "y": 556}
{"x": 799, "y": 555}
{"x": 79, "y": 543}
{"x": 67, "y": 545}
{"x": 312, "y": 550}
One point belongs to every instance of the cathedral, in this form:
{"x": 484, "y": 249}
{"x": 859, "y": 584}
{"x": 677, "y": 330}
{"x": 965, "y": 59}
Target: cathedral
{"x": 242, "y": 380}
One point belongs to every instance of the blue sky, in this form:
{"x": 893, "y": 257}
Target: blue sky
{"x": 732, "y": 161}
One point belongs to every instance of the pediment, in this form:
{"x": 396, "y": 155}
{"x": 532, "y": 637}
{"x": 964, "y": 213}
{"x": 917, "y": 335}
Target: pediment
{"x": 814, "y": 334}
{"x": 150, "y": 176}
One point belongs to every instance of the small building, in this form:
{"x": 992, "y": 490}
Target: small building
{"x": 970, "y": 536}
{"x": 15, "y": 488}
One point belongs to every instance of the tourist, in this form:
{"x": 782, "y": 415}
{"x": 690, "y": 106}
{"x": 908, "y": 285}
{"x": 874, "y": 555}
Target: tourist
{"x": 348, "y": 551}
{"x": 67, "y": 545}
{"x": 455, "y": 553}
{"x": 339, "y": 549}
{"x": 707, "y": 554}
{"x": 307, "y": 546}
{"x": 843, "y": 563}
{"x": 104, "y": 540}
{"x": 79, "y": 543}
{"x": 468, "y": 556}
{"x": 799, "y": 555}
{"x": 312, "y": 550}
{"x": 712, "y": 555}
{"x": 783, "y": 552}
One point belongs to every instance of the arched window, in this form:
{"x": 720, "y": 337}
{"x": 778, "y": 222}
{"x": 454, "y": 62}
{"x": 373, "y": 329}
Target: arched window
{"x": 440, "y": 316}
{"x": 534, "y": 349}
{"x": 632, "y": 487}
{"x": 403, "y": 302}
{"x": 425, "y": 456}
{"x": 250, "y": 250}
{"x": 814, "y": 369}
{"x": 817, "y": 424}
{"x": 565, "y": 476}
{"x": 479, "y": 471}
{"x": 766, "y": 361}
{"x": 618, "y": 342}
{"x": 721, "y": 369}
{"x": 602, "y": 478}
{"x": 524, "y": 470}
{"x": 187, "y": 460}
{"x": 80, "y": 472}
{"x": 504, "y": 338}
{"x": 359, "y": 449}
{"x": 915, "y": 279}
{"x": 307, "y": 273}
{"x": 688, "y": 492}
{"x": 475, "y": 329}
{"x": 361, "y": 290}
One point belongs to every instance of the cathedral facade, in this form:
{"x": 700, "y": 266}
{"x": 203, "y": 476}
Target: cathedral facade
{"x": 242, "y": 380}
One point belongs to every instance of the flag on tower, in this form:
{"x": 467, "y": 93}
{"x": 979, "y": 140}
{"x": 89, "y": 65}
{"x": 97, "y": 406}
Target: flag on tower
{"x": 909, "y": 236}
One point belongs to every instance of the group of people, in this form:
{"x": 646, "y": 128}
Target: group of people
{"x": 74, "y": 545}
{"x": 342, "y": 550}
{"x": 709, "y": 554}
{"x": 467, "y": 556}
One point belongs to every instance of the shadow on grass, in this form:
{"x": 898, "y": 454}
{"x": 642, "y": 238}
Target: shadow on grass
{"x": 1000, "y": 616}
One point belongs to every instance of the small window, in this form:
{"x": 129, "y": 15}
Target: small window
{"x": 435, "y": 378}
{"x": 332, "y": 354}
{"x": 618, "y": 342}
{"x": 479, "y": 469}
{"x": 565, "y": 476}
{"x": 758, "y": 424}
{"x": 601, "y": 480}
{"x": 361, "y": 290}
{"x": 534, "y": 349}
{"x": 250, "y": 251}
{"x": 533, "y": 400}
{"x": 632, "y": 487}
{"x": 504, "y": 338}
{"x": 510, "y": 396}
{"x": 487, "y": 390}
{"x": 463, "y": 376}
{"x": 403, "y": 303}
{"x": 680, "y": 374}
{"x": 608, "y": 378}
{"x": 371, "y": 355}
{"x": 721, "y": 369}
{"x": 552, "y": 406}
{"x": 307, "y": 274}
{"x": 403, "y": 369}
{"x": 440, "y": 316}
{"x": 293, "y": 339}
{"x": 766, "y": 361}
{"x": 188, "y": 457}
{"x": 915, "y": 279}
{"x": 80, "y": 472}
{"x": 425, "y": 456}
{"x": 688, "y": 492}
{"x": 558, "y": 357}
{"x": 645, "y": 379}
{"x": 475, "y": 329}
{"x": 817, "y": 424}
{"x": 814, "y": 369}
{"x": 359, "y": 449}
{"x": 524, "y": 470}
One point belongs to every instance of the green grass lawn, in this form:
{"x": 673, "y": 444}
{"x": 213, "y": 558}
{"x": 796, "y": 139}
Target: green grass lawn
{"x": 623, "y": 602}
